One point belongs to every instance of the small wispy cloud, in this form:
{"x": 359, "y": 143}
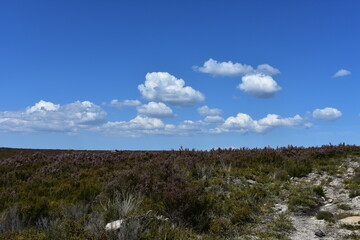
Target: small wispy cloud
{"x": 206, "y": 111}
{"x": 341, "y": 73}
{"x": 126, "y": 103}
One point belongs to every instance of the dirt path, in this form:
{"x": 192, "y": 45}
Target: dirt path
{"x": 335, "y": 195}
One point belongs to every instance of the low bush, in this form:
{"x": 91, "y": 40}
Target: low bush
{"x": 354, "y": 184}
{"x": 303, "y": 200}
{"x": 282, "y": 224}
{"x": 319, "y": 191}
{"x": 325, "y": 215}
{"x": 344, "y": 206}
{"x": 296, "y": 168}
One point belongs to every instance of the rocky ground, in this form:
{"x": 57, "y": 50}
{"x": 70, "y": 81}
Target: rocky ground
{"x": 346, "y": 210}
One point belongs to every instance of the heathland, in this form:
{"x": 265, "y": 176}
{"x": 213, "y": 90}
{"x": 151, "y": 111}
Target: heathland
{"x": 270, "y": 193}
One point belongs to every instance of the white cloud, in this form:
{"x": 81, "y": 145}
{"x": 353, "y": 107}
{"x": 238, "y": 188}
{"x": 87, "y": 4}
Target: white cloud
{"x": 143, "y": 125}
{"x": 206, "y": 111}
{"x": 154, "y": 109}
{"x": 187, "y": 128}
{"x": 214, "y": 119}
{"x": 163, "y": 87}
{"x": 341, "y": 73}
{"x": 43, "y": 106}
{"x": 71, "y": 118}
{"x": 326, "y": 114}
{"x": 229, "y": 68}
{"x": 243, "y": 123}
{"x": 139, "y": 123}
{"x": 126, "y": 103}
{"x": 47, "y": 116}
{"x": 267, "y": 69}
{"x": 136, "y": 127}
{"x": 259, "y": 85}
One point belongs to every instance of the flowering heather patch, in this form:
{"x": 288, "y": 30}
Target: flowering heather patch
{"x": 201, "y": 193}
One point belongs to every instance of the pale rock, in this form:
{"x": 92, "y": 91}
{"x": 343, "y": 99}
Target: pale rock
{"x": 114, "y": 225}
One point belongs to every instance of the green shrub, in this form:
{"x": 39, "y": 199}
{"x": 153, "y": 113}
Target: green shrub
{"x": 298, "y": 168}
{"x": 28, "y": 234}
{"x": 35, "y": 209}
{"x": 350, "y": 227}
{"x": 242, "y": 213}
{"x": 160, "y": 230}
{"x": 319, "y": 191}
{"x": 303, "y": 200}
{"x": 11, "y": 220}
{"x": 354, "y": 193}
{"x": 354, "y": 184}
{"x": 121, "y": 205}
{"x": 88, "y": 191}
{"x": 282, "y": 175}
{"x": 344, "y": 206}
{"x": 220, "y": 226}
{"x": 282, "y": 224}
{"x": 325, "y": 215}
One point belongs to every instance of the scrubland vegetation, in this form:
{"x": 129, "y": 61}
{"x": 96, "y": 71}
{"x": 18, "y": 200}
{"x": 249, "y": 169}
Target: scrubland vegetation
{"x": 182, "y": 194}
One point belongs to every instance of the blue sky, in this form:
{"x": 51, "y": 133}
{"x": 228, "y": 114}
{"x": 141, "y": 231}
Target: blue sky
{"x": 165, "y": 74}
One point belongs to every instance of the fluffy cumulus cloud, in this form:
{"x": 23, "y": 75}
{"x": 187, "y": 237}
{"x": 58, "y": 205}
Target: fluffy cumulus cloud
{"x": 256, "y": 81}
{"x": 326, "y": 114}
{"x": 43, "y": 106}
{"x": 155, "y": 109}
{"x": 341, "y": 73}
{"x": 243, "y": 123}
{"x": 126, "y": 103}
{"x": 259, "y": 85}
{"x": 47, "y": 116}
{"x": 229, "y": 68}
{"x": 163, "y": 87}
{"x": 206, "y": 111}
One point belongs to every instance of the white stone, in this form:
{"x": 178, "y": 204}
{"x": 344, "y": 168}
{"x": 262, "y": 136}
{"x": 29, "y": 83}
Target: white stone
{"x": 114, "y": 225}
